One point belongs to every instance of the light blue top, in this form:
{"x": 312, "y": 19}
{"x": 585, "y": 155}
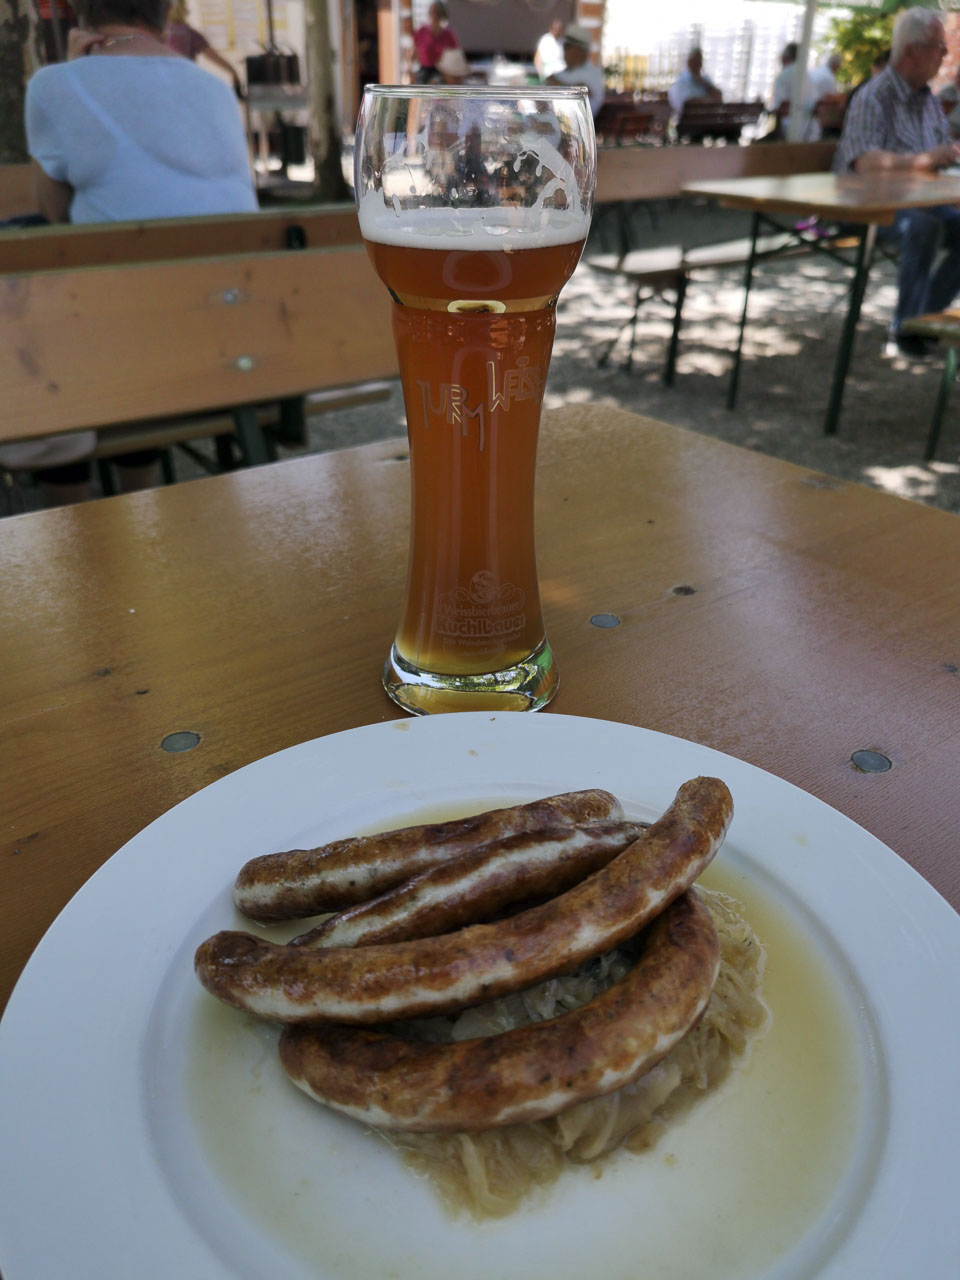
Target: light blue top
{"x": 139, "y": 137}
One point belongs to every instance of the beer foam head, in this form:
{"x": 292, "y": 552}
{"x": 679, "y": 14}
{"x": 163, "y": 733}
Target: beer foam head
{"x": 489, "y": 170}
{"x": 505, "y": 227}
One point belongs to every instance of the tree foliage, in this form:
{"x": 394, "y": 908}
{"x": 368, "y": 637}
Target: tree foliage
{"x": 858, "y": 38}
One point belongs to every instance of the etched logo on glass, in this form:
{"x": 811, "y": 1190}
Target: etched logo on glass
{"x": 483, "y": 611}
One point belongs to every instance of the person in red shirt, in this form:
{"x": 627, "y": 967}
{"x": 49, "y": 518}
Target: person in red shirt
{"x": 430, "y": 40}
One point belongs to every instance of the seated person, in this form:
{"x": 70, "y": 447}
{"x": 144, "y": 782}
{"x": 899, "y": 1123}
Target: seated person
{"x": 578, "y": 69}
{"x": 128, "y": 129}
{"x": 824, "y": 78}
{"x": 894, "y": 125}
{"x": 692, "y": 83}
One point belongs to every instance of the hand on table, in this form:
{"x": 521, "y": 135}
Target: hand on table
{"x": 948, "y": 153}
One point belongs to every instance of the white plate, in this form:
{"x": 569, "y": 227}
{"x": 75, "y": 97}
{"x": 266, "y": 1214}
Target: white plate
{"x": 118, "y": 1159}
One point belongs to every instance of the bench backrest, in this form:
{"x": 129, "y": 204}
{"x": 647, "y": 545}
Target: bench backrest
{"x": 702, "y": 110}
{"x": 96, "y": 346}
{"x": 625, "y": 120}
{"x": 660, "y": 173}
{"x": 101, "y": 243}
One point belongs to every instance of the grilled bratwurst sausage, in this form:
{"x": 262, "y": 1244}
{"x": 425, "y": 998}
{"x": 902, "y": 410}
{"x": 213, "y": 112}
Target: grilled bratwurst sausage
{"x": 477, "y": 886}
{"x": 527, "y": 1073}
{"x": 303, "y": 882}
{"x": 440, "y": 975}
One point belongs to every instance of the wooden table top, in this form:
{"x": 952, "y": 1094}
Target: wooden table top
{"x": 840, "y": 197}
{"x": 767, "y": 611}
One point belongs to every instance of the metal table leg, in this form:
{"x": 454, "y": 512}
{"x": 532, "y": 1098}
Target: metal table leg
{"x": 747, "y": 279}
{"x": 868, "y": 237}
{"x": 943, "y": 395}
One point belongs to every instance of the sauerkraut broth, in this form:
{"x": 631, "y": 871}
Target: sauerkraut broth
{"x": 733, "y": 1186}
{"x": 490, "y": 1173}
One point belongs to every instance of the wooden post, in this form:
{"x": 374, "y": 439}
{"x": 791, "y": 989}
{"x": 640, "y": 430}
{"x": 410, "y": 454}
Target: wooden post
{"x": 323, "y": 130}
{"x": 17, "y": 62}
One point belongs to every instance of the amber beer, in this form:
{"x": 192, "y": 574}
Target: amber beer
{"x": 474, "y": 330}
{"x": 474, "y": 205}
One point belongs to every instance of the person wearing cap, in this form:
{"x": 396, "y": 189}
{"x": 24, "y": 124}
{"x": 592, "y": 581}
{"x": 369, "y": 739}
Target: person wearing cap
{"x": 578, "y": 69}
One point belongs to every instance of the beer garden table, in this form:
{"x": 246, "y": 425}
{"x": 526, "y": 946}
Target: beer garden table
{"x": 864, "y": 201}
{"x": 689, "y": 586}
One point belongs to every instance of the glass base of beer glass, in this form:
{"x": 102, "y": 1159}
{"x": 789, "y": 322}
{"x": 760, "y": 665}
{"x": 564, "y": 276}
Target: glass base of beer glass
{"x": 526, "y": 686}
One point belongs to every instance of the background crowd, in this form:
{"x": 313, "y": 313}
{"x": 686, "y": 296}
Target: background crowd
{"x": 130, "y": 125}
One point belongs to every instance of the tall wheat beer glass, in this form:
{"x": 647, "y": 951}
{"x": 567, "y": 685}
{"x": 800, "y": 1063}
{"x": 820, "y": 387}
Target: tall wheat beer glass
{"x": 474, "y": 206}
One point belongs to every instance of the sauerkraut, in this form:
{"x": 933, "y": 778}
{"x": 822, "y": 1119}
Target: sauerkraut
{"x": 489, "y": 1174}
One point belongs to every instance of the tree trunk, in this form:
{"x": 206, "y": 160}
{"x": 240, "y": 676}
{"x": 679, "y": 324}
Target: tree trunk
{"x": 324, "y": 142}
{"x": 18, "y": 60}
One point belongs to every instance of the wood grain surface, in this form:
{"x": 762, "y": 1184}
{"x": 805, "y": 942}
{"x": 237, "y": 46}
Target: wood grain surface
{"x": 95, "y": 244}
{"x": 660, "y": 173}
{"x": 844, "y": 197}
{"x": 101, "y": 345}
{"x": 767, "y": 611}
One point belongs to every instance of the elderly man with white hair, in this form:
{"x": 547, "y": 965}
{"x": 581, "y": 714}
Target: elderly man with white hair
{"x": 895, "y": 126}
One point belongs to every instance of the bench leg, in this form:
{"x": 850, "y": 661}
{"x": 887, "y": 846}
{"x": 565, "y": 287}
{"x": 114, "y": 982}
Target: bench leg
{"x": 291, "y": 430}
{"x": 226, "y": 460}
{"x": 252, "y": 444}
{"x": 604, "y": 359}
{"x": 670, "y": 367}
{"x": 747, "y": 281}
{"x": 638, "y": 298}
{"x": 166, "y": 466}
{"x": 868, "y": 236}
{"x": 108, "y": 484}
{"x": 943, "y": 395}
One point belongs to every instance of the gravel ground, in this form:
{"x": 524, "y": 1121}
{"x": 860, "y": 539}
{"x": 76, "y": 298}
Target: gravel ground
{"x": 796, "y": 312}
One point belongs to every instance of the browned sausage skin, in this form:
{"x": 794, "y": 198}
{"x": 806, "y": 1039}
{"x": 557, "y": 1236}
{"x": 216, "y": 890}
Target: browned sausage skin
{"x": 450, "y": 972}
{"x": 530, "y": 1072}
{"x": 477, "y": 886}
{"x": 303, "y": 882}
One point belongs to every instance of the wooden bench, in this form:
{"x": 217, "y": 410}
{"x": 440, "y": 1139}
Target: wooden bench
{"x": 660, "y": 173}
{"x": 625, "y": 177}
{"x": 102, "y": 243}
{"x": 942, "y": 327}
{"x": 702, "y": 119}
{"x": 163, "y": 344}
{"x": 627, "y": 120}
